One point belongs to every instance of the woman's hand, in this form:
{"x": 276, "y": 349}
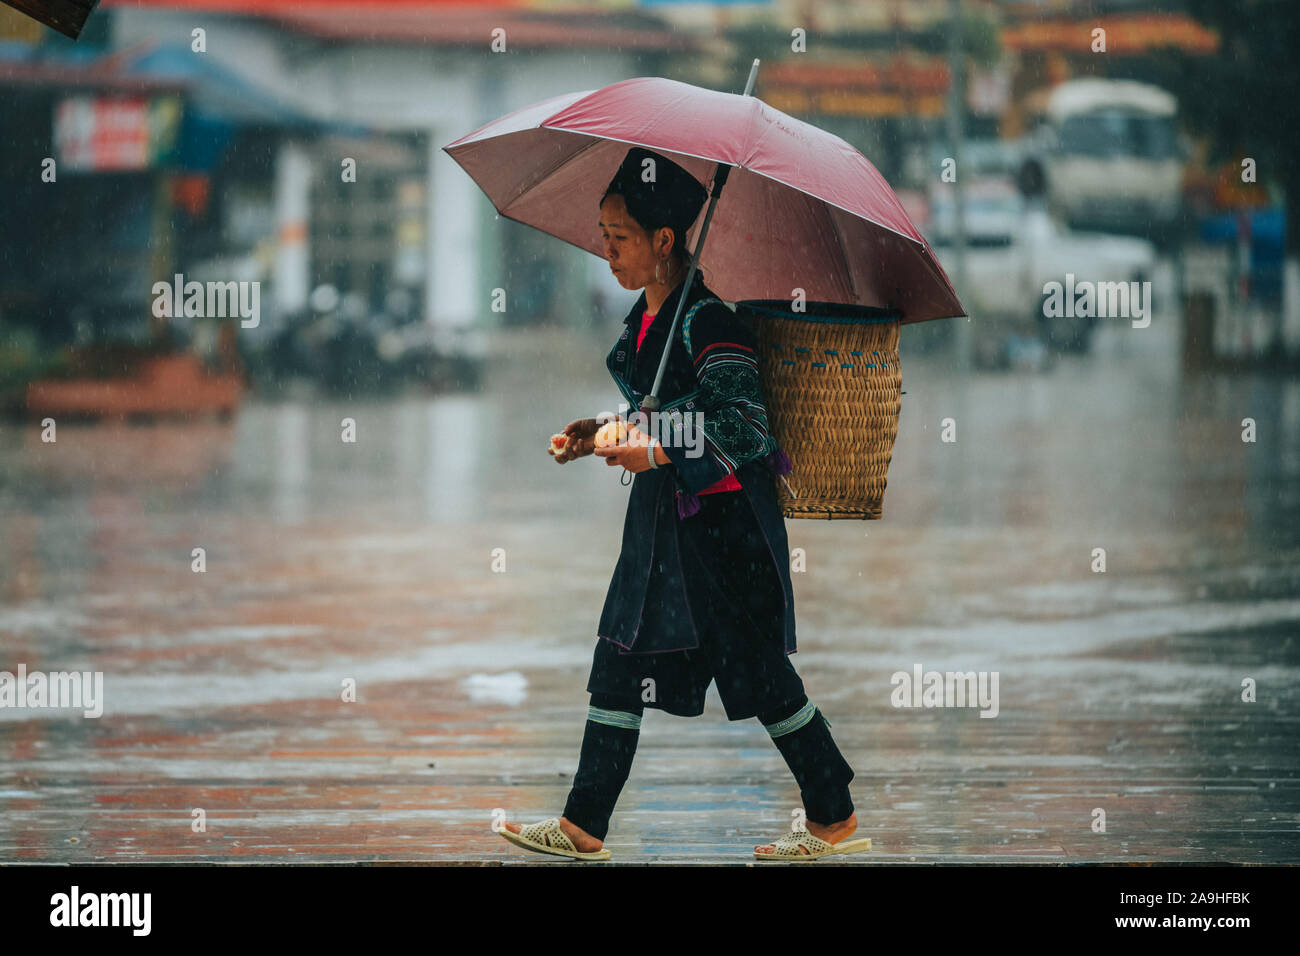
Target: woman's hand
{"x": 581, "y": 435}
{"x": 631, "y": 454}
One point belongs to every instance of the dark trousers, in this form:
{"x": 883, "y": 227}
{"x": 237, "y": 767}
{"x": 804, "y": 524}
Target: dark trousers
{"x": 820, "y": 770}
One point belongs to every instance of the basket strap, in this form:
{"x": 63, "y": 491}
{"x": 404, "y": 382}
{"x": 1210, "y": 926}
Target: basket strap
{"x": 686, "y": 323}
{"x": 686, "y": 340}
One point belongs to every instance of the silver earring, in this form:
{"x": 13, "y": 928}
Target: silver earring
{"x": 658, "y": 279}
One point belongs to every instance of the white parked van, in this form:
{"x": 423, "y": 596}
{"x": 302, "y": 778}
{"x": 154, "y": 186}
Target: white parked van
{"x": 1108, "y": 156}
{"x": 1015, "y": 249}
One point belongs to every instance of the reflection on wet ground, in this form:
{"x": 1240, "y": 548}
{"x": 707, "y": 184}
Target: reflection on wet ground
{"x": 371, "y": 561}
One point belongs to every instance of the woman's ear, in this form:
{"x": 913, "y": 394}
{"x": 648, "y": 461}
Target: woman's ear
{"x": 663, "y": 241}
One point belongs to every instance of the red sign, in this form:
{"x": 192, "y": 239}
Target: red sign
{"x": 100, "y": 133}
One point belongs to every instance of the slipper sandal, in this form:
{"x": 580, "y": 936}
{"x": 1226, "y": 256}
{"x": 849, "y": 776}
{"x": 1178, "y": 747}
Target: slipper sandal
{"x": 547, "y": 837}
{"x": 787, "y": 849}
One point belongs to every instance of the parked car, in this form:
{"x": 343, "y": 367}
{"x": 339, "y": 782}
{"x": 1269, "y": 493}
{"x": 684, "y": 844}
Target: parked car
{"x": 994, "y": 214}
{"x": 980, "y": 158}
{"x": 1016, "y": 247}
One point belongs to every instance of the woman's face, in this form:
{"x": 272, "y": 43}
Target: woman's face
{"x": 632, "y": 252}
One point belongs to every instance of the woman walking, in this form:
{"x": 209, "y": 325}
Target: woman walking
{"x": 701, "y": 591}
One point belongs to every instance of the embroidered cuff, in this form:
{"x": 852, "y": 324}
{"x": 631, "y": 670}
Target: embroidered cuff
{"x": 623, "y": 719}
{"x": 792, "y": 723}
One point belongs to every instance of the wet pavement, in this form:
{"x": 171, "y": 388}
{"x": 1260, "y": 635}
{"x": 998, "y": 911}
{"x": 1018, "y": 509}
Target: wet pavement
{"x": 371, "y": 562}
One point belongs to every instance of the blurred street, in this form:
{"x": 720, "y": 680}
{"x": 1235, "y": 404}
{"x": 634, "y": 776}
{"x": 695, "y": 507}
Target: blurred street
{"x": 329, "y": 561}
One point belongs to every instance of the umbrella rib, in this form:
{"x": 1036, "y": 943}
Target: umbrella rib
{"x": 839, "y": 242}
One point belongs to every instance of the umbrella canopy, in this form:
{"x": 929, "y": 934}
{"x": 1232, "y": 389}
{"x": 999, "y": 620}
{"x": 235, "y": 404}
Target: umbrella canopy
{"x": 801, "y": 210}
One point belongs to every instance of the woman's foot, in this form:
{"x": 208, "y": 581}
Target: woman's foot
{"x": 583, "y": 841}
{"x": 831, "y": 834}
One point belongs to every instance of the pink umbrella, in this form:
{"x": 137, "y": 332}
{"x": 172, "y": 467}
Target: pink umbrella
{"x": 802, "y": 209}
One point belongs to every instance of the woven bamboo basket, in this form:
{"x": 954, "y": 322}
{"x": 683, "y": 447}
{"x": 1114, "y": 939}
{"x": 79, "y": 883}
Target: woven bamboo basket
{"x": 832, "y": 382}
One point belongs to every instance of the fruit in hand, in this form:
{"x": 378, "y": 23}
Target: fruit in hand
{"x": 558, "y": 443}
{"x": 610, "y": 434}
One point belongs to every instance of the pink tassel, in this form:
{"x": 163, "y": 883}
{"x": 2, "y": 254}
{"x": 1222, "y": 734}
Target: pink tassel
{"x": 687, "y": 504}
{"x": 779, "y": 462}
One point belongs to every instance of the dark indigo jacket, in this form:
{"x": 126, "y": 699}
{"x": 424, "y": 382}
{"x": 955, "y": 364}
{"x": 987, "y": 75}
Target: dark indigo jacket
{"x": 722, "y": 383}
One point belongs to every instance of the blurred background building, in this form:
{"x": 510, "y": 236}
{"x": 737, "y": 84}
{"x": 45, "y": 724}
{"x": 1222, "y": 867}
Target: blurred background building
{"x": 210, "y": 138}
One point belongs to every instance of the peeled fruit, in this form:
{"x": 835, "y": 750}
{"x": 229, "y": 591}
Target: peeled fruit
{"x": 610, "y": 434}
{"x": 558, "y": 442}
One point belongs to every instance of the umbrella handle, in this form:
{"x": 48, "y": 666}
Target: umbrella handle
{"x": 722, "y": 171}
{"x": 651, "y": 401}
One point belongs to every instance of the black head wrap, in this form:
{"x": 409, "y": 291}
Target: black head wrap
{"x": 673, "y": 199}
